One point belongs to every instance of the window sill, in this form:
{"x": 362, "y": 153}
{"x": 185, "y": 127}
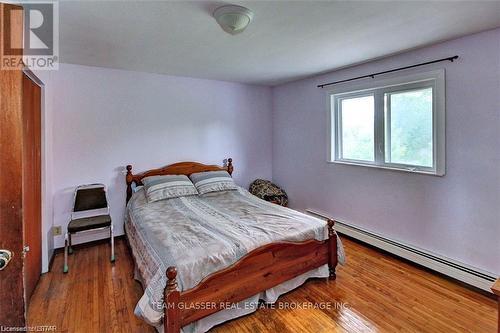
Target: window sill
{"x": 373, "y": 166}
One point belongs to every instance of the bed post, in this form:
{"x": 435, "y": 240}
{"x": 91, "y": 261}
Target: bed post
{"x": 230, "y": 166}
{"x": 129, "y": 178}
{"x": 332, "y": 249}
{"x": 171, "y": 297}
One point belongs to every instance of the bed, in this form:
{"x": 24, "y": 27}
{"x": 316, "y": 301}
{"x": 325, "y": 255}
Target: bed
{"x": 206, "y": 259}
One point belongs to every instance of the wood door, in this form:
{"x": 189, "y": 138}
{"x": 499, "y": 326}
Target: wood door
{"x": 32, "y": 210}
{"x": 11, "y": 136}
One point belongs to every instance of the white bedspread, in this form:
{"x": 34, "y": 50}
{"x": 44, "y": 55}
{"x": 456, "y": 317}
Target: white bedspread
{"x": 200, "y": 235}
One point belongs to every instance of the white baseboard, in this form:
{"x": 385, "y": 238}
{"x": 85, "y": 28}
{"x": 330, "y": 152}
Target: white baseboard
{"x": 452, "y": 268}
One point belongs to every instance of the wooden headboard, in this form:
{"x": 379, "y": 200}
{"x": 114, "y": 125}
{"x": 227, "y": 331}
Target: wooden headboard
{"x": 182, "y": 168}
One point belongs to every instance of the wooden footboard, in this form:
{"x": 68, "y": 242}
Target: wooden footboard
{"x": 259, "y": 270}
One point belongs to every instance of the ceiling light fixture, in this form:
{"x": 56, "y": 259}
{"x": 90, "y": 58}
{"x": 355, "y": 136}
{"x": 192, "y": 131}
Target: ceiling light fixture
{"x": 233, "y": 19}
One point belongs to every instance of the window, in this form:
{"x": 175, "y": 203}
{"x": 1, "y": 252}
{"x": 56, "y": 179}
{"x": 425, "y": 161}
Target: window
{"x": 394, "y": 124}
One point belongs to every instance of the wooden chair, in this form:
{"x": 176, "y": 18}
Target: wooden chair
{"x": 90, "y": 203}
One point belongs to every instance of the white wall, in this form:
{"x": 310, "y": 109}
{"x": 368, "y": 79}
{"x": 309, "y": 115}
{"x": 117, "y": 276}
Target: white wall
{"x": 457, "y": 215}
{"x": 99, "y": 120}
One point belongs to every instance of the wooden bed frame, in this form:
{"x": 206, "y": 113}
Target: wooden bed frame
{"x": 259, "y": 270}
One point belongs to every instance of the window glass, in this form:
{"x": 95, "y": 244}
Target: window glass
{"x": 408, "y": 119}
{"x": 357, "y": 128}
{"x": 395, "y": 123}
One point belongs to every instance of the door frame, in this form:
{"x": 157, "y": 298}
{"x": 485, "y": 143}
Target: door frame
{"x": 47, "y": 236}
{"x": 36, "y": 81}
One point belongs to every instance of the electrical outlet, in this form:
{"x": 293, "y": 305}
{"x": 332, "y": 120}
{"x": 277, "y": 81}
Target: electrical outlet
{"x": 56, "y": 230}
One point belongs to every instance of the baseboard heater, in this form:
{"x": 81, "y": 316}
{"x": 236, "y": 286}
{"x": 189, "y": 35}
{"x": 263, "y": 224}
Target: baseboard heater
{"x": 459, "y": 271}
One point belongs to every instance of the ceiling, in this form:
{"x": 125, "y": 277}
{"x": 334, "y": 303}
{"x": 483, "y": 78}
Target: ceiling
{"x": 287, "y": 40}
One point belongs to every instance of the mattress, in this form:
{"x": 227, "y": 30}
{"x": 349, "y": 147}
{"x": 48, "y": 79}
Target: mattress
{"x": 203, "y": 234}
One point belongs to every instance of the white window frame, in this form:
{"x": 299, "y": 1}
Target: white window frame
{"x": 377, "y": 88}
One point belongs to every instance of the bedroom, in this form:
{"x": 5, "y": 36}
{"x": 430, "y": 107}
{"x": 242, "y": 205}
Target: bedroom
{"x": 154, "y": 83}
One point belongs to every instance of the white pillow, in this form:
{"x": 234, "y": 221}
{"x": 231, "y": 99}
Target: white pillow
{"x": 213, "y": 181}
{"x": 167, "y": 187}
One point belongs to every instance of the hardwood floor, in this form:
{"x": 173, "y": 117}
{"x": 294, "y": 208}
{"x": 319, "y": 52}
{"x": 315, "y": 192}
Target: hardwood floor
{"x": 374, "y": 292}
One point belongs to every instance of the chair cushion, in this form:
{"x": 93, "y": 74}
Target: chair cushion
{"x": 88, "y": 223}
{"x": 90, "y": 198}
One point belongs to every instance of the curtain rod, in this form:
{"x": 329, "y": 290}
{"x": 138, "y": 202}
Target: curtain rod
{"x": 389, "y": 71}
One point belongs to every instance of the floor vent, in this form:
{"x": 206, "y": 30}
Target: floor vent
{"x": 460, "y": 271}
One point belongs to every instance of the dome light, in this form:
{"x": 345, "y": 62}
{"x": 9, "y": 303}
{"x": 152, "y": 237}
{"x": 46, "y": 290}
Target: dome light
{"x": 233, "y": 19}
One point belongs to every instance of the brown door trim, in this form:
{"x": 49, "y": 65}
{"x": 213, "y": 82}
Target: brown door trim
{"x": 32, "y": 184}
